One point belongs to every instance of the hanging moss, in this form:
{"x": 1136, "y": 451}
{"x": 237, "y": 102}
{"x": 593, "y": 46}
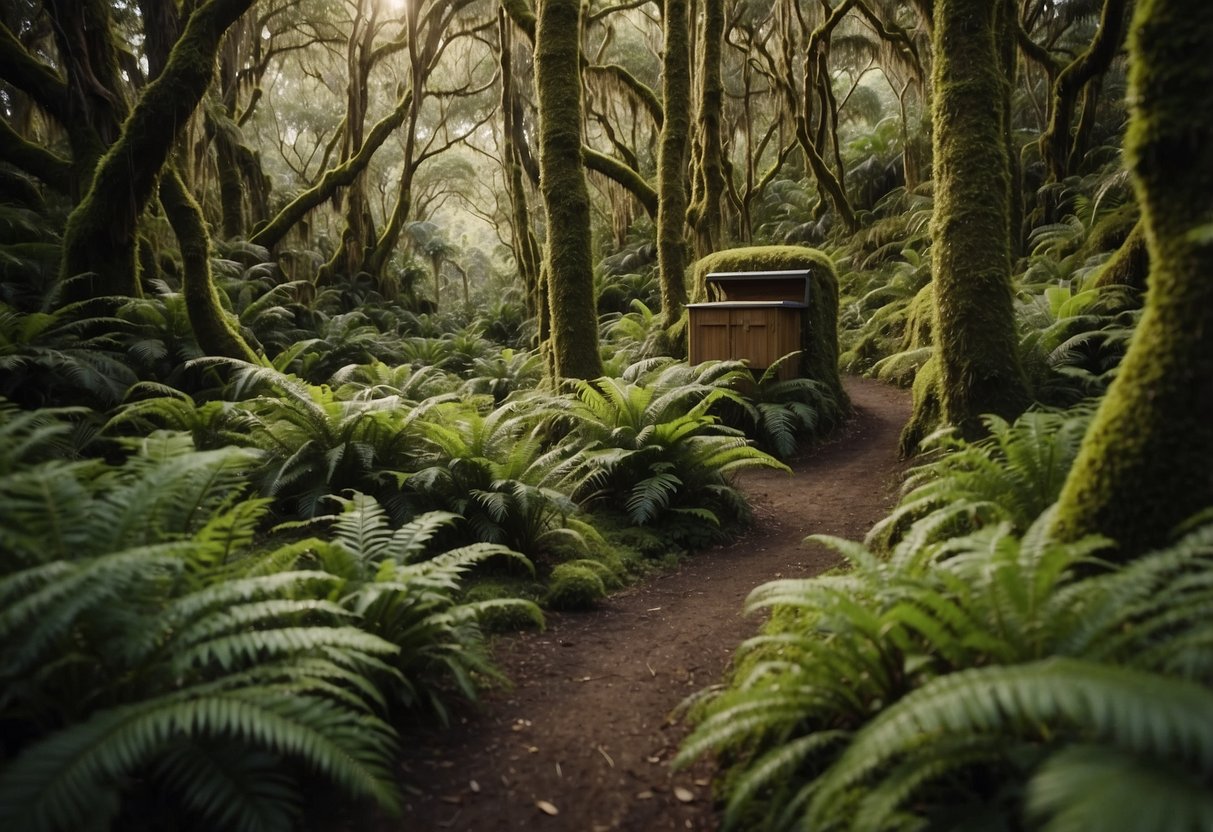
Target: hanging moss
{"x": 819, "y": 358}
{"x": 1144, "y": 465}
{"x": 567, "y": 255}
{"x": 975, "y": 333}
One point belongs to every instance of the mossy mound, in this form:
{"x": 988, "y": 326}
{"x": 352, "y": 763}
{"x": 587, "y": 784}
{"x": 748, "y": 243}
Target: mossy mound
{"x": 505, "y": 606}
{"x": 574, "y": 586}
{"x": 819, "y": 359}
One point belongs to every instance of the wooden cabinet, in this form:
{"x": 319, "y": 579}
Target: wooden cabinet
{"x": 755, "y": 316}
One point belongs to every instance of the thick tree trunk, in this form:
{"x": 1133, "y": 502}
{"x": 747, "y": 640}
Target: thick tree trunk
{"x": 1144, "y": 464}
{"x": 567, "y": 257}
{"x": 100, "y": 236}
{"x": 95, "y": 107}
{"x": 976, "y": 341}
{"x": 671, "y": 161}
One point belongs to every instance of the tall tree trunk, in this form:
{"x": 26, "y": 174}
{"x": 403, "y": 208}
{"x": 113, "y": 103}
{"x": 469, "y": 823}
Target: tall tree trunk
{"x": 1144, "y": 464}
{"x": 706, "y": 211}
{"x": 358, "y": 231}
{"x": 567, "y": 257}
{"x": 100, "y": 236}
{"x": 671, "y": 161}
{"x": 526, "y": 247}
{"x": 976, "y": 341}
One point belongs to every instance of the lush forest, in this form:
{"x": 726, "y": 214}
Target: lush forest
{"x": 339, "y": 336}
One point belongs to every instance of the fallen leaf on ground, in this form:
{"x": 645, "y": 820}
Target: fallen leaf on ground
{"x": 547, "y": 808}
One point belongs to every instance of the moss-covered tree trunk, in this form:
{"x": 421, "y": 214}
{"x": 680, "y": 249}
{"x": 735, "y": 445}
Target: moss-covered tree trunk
{"x": 975, "y": 334}
{"x": 1129, "y": 265}
{"x": 710, "y": 181}
{"x": 672, "y": 160}
{"x": 215, "y": 333}
{"x": 567, "y": 256}
{"x": 358, "y": 232}
{"x": 1144, "y": 465}
{"x": 100, "y": 238}
{"x": 89, "y": 57}
{"x": 526, "y": 247}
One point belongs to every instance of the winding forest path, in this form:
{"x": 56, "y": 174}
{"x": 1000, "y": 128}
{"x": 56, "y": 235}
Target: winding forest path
{"x": 586, "y": 727}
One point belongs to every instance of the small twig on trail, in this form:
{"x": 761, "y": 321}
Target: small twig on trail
{"x": 606, "y": 756}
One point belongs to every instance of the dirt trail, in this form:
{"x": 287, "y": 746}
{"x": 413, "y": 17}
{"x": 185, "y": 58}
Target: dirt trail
{"x": 587, "y": 725}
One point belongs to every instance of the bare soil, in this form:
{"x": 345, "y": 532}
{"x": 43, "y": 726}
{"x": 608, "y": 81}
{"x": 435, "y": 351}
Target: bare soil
{"x": 584, "y": 737}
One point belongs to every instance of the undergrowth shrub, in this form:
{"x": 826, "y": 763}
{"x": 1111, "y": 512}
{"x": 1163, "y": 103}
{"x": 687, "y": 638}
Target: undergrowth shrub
{"x": 652, "y": 447}
{"x": 991, "y": 680}
{"x": 574, "y": 586}
{"x": 164, "y": 657}
{"x": 1011, "y": 476}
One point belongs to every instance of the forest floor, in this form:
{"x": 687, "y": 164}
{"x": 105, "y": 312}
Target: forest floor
{"x": 583, "y": 739}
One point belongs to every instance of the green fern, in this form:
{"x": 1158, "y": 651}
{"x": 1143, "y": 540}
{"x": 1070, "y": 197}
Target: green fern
{"x": 952, "y": 679}
{"x": 1012, "y": 476}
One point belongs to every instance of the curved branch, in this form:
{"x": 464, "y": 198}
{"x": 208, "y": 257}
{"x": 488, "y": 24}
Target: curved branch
{"x": 100, "y": 233}
{"x": 523, "y": 15}
{"x": 54, "y": 170}
{"x": 31, "y": 76}
{"x": 617, "y": 171}
{"x": 1055, "y": 142}
{"x": 335, "y": 178}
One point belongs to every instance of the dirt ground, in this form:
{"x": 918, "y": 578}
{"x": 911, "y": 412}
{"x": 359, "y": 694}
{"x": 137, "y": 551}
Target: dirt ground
{"x": 584, "y": 738}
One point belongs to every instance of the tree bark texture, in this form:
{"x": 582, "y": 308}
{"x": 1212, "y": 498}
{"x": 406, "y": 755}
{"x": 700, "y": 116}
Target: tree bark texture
{"x": 1144, "y": 464}
{"x": 567, "y": 255}
{"x": 215, "y": 333}
{"x": 100, "y": 236}
{"x": 976, "y": 340}
{"x": 710, "y": 179}
{"x": 671, "y": 161}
